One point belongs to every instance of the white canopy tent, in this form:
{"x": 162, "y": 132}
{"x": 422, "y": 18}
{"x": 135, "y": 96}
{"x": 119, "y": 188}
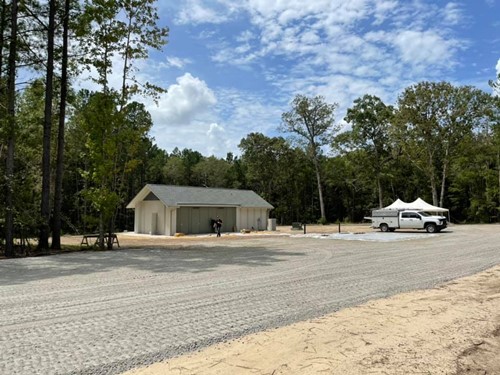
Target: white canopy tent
{"x": 417, "y": 204}
{"x": 398, "y": 204}
{"x": 420, "y": 204}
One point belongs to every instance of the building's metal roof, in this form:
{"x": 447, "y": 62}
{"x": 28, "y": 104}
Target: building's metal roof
{"x": 177, "y": 196}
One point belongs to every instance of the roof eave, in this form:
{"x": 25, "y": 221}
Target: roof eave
{"x": 139, "y": 196}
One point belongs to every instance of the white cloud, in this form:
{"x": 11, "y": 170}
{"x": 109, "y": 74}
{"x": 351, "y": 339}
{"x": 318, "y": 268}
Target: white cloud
{"x": 183, "y": 114}
{"x": 246, "y": 112}
{"x": 185, "y": 101}
{"x": 325, "y": 33}
{"x": 498, "y": 67}
{"x": 309, "y": 37}
{"x": 384, "y": 10}
{"x": 196, "y": 12}
{"x": 339, "y": 49}
{"x": 213, "y": 122}
{"x": 217, "y": 142}
{"x": 245, "y": 36}
{"x": 453, "y": 14}
{"x": 424, "y": 47}
{"x": 215, "y": 131}
{"x": 177, "y": 62}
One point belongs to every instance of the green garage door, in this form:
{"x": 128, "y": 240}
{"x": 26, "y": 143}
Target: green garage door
{"x": 195, "y": 220}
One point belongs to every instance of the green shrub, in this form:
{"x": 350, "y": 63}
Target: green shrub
{"x": 323, "y": 221}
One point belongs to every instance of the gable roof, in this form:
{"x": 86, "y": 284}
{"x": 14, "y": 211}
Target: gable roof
{"x": 177, "y": 196}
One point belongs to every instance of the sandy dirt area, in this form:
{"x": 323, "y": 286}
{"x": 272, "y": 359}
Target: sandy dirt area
{"x": 453, "y": 329}
{"x": 132, "y": 240}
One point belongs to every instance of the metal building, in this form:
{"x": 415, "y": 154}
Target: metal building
{"x": 166, "y": 210}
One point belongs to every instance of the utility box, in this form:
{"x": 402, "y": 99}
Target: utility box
{"x": 271, "y": 224}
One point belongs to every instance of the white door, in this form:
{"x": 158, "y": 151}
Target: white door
{"x": 154, "y": 222}
{"x": 410, "y": 220}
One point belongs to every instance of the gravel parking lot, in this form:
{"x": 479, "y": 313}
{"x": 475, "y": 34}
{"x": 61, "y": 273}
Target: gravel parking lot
{"x": 106, "y": 312}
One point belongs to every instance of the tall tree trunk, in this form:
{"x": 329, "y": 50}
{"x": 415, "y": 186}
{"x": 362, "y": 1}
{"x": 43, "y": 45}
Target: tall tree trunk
{"x": 43, "y": 243}
{"x": 498, "y": 198}
{"x": 435, "y": 200}
{"x": 378, "y": 173}
{"x": 56, "y": 230}
{"x": 124, "y": 93}
{"x": 380, "y": 192}
{"x": 443, "y": 183}
{"x": 11, "y": 113}
{"x": 101, "y": 231}
{"x": 3, "y": 26}
{"x": 432, "y": 178}
{"x": 443, "y": 178}
{"x": 320, "y": 188}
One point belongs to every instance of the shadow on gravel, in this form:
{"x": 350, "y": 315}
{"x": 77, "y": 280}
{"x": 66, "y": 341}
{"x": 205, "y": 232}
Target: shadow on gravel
{"x": 193, "y": 260}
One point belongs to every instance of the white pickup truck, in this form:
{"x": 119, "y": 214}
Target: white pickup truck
{"x": 390, "y": 220}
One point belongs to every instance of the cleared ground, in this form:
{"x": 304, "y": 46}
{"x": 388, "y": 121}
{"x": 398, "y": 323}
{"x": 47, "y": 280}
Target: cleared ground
{"x": 106, "y": 312}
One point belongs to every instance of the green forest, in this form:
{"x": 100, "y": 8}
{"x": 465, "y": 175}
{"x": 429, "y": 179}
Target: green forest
{"x": 72, "y": 159}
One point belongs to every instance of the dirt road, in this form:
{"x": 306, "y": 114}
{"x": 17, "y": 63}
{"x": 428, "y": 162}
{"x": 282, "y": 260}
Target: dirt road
{"x": 106, "y": 312}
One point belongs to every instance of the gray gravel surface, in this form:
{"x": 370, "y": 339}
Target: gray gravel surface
{"x": 107, "y": 312}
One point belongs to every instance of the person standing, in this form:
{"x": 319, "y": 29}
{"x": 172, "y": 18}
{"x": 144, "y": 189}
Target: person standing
{"x": 218, "y": 225}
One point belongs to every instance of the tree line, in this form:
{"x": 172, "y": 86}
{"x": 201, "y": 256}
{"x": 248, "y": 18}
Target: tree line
{"x": 72, "y": 159}
{"x": 51, "y": 42}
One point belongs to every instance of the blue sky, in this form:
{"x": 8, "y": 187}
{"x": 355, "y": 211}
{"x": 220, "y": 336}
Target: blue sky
{"x": 232, "y": 67}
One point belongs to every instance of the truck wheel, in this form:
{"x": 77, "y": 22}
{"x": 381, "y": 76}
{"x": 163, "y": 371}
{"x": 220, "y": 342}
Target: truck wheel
{"x": 431, "y": 228}
{"x": 384, "y": 227}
